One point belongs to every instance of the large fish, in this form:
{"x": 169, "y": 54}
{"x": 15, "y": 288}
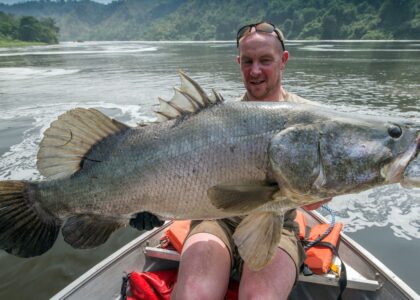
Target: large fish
{"x": 207, "y": 159}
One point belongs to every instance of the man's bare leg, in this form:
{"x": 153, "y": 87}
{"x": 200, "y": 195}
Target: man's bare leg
{"x": 204, "y": 268}
{"x": 275, "y": 281}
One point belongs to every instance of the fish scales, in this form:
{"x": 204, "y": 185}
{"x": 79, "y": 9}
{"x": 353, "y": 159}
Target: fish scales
{"x": 173, "y": 166}
{"x": 250, "y": 159}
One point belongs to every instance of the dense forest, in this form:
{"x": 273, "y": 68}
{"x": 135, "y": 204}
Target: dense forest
{"x": 28, "y": 29}
{"x": 219, "y": 19}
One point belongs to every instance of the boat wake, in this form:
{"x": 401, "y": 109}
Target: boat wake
{"x": 389, "y": 206}
{"x": 19, "y": 162}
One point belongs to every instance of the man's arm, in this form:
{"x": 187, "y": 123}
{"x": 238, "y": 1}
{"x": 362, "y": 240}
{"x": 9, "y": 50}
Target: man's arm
{"x": 316, "y": 205}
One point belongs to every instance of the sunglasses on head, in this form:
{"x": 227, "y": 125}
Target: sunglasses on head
{"x": 259, "y": 27}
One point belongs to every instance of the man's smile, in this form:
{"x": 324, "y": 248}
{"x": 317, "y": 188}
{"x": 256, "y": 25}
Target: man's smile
{"x": 256, "y": 82}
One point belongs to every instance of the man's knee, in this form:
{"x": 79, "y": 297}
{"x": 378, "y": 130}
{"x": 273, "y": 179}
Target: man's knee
{"x": 275, "y": 281}
{"x": 195, "y": 287}
{"x": 204, "y": 268}
{"x": 207, "y": 251}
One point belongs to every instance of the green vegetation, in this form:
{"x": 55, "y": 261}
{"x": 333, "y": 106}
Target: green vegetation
{"x": 219, "y": 20}
{"x": 27, "y": 30}
{"x": 15, "y": 43}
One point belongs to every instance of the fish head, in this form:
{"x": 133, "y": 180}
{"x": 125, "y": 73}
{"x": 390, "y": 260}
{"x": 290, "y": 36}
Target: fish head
{"x": 411, "y": 176}
{"x": 343, "y": 154}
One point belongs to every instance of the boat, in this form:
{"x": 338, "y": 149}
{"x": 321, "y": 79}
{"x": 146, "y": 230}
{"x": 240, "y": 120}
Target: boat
{"x": 367, "y": 277}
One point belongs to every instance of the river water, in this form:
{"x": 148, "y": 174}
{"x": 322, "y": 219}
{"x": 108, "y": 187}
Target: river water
{"x": 124, "y": 79}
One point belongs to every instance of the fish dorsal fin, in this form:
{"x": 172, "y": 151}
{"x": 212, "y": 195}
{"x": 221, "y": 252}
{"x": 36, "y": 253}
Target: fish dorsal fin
{"x": 70, "y": 137}
{"x": 189, "y": 98}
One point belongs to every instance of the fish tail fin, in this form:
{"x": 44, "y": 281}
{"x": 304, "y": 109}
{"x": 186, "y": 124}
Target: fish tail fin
{"x": 26, "y": 229}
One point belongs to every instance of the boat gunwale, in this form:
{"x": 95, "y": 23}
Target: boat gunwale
{"x": 371, "y": 260}
{"x": 103, "y": 265}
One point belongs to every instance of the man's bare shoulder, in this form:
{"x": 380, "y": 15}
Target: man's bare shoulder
{"x": 291, "y": 97}
{"x": 288, "y": 97}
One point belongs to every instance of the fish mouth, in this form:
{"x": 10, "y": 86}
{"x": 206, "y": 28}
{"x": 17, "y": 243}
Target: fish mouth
{"x": 405, "y": 168}
{"x": 411, "y": 177}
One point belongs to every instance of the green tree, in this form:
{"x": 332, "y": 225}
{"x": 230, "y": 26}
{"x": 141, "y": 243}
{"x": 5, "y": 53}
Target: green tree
{"x": 8, "y": 26}
{"x": 28, "y": 29}
{"x": 395, "y": 12}
{"x": 33, "y": 30}
{"x": 48, "y": 31}
{"x": 395, "y": 16}
{"x": 218, "y": 19}
{"x": 329, "y": 28}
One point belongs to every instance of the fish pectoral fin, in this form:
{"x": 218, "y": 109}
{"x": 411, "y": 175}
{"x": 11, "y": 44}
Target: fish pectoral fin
{"x": 241, "y": 198}
{"x": 69, "y": 138}
{"x": 257, "y": 238}
{"x": 89, "y": 231}
{"x": 145, "y": 221}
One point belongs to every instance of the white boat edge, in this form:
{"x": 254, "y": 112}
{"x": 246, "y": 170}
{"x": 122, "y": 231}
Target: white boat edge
{"x": 102, "y": 265}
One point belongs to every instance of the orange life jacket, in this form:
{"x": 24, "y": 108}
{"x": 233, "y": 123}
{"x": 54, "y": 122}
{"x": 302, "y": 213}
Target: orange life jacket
{"x": 319, "y": 257}
{"x": 176, "y": 234}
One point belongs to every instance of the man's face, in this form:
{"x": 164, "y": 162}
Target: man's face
{"x": 262, "y": 61}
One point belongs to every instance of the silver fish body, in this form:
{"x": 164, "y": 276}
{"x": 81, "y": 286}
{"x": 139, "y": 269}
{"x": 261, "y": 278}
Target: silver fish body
{"x": 227, "y": 159}
{"x": 167, "y": 168}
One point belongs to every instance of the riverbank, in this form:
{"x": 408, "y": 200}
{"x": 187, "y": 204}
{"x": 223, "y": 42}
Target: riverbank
{"x": 15, "y": 43}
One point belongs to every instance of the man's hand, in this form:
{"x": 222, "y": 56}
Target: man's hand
{"x": 145, "y": 221}
{"x": 316, "y": 205}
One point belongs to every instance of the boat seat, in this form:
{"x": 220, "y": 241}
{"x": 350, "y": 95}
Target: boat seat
{"x": 354, "y": 279}
{"x": 161, "y": 253}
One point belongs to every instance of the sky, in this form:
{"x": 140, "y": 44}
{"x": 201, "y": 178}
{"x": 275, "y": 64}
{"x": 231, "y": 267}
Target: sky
{"x": 17, "y": 1}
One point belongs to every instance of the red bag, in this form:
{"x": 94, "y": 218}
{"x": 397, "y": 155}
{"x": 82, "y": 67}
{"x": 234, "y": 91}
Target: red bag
{"x": 155, "y": 285}
{"x": 158, "y": 285}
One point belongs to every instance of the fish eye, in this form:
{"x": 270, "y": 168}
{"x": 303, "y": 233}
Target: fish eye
{"x": 394, "y": 131}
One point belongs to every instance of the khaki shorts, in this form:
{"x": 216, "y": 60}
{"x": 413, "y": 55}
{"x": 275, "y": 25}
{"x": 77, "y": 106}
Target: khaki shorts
{"x": 224, "y": 229}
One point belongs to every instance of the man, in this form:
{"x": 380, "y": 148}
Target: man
{"x": 209, "y": 254}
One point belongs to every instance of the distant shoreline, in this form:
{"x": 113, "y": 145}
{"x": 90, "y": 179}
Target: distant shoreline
{"x": 15, "y": 43}
{"x": 5, "y": 43}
